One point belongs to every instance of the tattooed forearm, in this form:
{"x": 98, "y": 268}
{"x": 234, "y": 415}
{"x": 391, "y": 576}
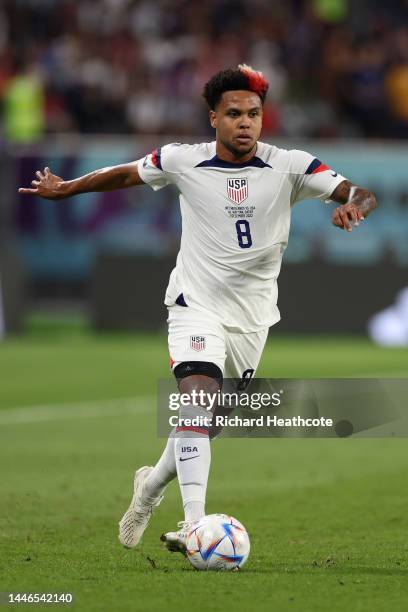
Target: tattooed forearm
{"x": 347, "y": 193}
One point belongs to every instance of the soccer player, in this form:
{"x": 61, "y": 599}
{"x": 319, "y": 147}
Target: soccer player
{"x": 236, "y": 197}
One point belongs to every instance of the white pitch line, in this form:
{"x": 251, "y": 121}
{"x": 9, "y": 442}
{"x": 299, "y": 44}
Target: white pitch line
{"x": 77, "y": 410}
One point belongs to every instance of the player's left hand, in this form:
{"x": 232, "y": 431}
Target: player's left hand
{"x": 346, "y": 216}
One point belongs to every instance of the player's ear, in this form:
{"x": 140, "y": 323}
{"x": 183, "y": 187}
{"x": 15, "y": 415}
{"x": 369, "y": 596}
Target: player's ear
{"x": 213, "y": 118}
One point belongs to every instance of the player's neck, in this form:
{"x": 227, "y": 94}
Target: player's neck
{"x": 226, "y": 154}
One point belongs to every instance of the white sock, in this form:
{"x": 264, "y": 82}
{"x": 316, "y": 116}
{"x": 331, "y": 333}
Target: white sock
{"x": 194, "y": 510}
{"x": 163, "y": 472}
{"x": 193, "y": 457}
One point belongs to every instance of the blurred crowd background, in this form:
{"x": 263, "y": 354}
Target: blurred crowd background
{"x": 113, "y": 79}
{"x": 337, "y": 68}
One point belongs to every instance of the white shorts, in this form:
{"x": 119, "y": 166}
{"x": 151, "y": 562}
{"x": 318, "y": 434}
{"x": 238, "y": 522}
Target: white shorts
{"x": 196, "y": 336}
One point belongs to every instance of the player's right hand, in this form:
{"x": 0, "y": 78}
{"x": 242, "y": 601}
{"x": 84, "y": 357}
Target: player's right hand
{"x": 47, "y": 185}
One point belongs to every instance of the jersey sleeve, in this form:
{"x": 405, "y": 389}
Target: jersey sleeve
{"x": 312, "y": 179}
{"x": 160, "y": 167}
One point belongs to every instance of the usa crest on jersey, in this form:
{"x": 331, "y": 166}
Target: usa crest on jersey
{"x": 197, "y": 343}
{"x": 237, "y": 189}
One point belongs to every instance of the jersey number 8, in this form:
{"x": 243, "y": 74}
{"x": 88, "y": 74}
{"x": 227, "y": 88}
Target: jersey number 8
{"x": 243, "y": 234}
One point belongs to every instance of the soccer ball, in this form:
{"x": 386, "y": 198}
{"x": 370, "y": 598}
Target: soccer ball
{"x": 217, "y": 542}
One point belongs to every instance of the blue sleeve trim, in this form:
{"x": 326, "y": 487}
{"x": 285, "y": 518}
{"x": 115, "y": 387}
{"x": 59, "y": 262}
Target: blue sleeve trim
{"x": 156, "y": 158}
{"x": 315, "y": 164}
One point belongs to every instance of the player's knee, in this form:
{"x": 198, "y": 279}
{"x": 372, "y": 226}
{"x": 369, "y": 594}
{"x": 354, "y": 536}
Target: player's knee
{"x": 198, "y": 376}
{"x": 202, "y": 415}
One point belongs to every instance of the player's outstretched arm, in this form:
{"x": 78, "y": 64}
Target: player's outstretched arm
{"x": 356, "y": 205}
{"x": 53, "y": 187}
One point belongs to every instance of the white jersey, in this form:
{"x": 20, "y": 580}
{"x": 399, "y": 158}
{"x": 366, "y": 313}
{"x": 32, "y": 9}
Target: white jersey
{"x": 235, "y": 225}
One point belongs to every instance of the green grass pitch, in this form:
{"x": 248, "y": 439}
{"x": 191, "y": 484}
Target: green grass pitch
{"x": 327, "y": 518}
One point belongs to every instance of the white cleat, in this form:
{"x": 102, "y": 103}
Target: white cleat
{"x": 137, "y": 516}
{"x": 176, "y": 541}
